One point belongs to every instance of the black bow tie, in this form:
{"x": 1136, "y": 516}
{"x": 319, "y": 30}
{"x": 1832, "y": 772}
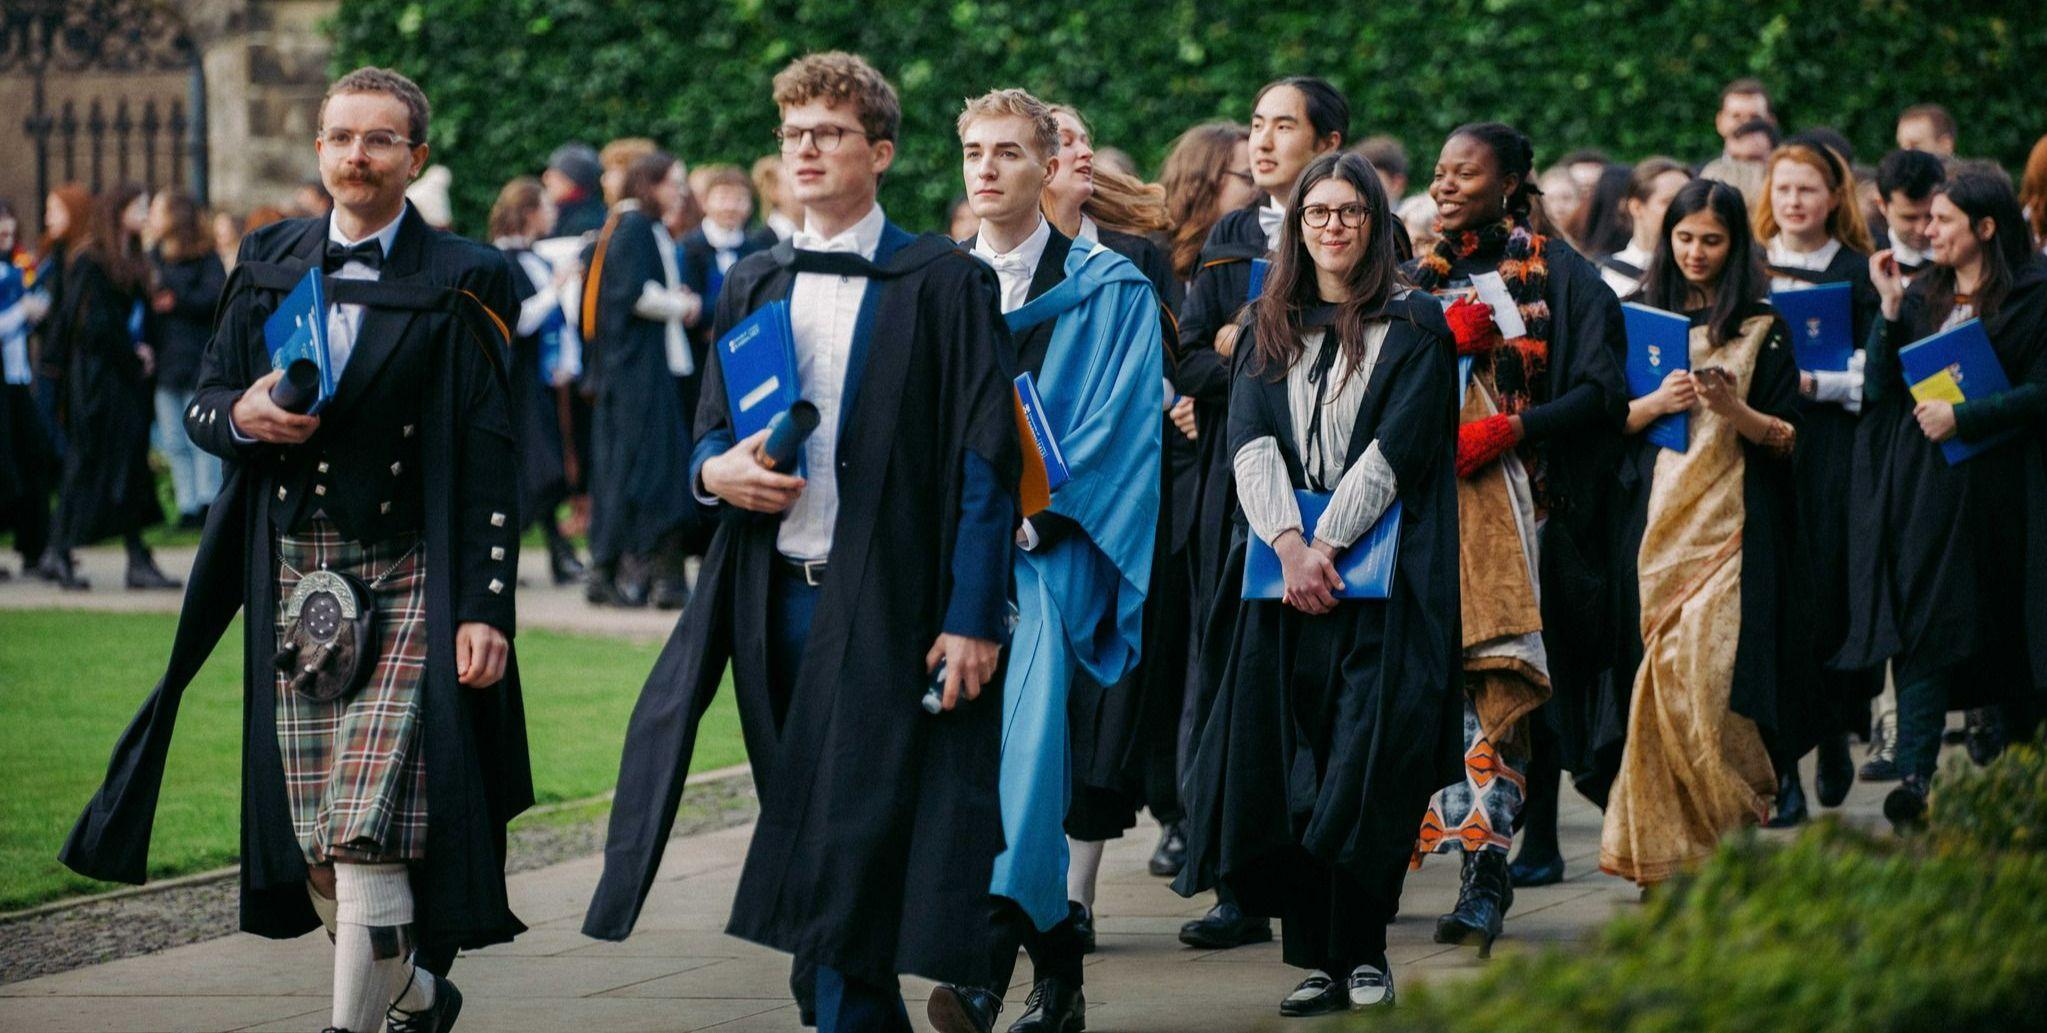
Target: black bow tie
{"x": 367, "y": 252}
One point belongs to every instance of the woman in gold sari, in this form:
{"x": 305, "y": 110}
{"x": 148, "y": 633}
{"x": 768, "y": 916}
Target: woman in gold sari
{"x": 1709, "y": 532}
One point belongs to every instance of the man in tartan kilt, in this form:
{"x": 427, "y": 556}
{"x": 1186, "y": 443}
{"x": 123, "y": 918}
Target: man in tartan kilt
{"x": 374, "y": 805}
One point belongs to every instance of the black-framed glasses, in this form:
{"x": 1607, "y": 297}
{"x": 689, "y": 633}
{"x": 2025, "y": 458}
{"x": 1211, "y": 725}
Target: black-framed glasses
{"x": 1316, "y": 216}
{"x": 376, "y": 141}
{"x": 826, "y": 138}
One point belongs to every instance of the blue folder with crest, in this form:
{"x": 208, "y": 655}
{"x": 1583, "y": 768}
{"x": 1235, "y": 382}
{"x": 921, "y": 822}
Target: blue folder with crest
{"x": 758, "y": 360}
{"x": 1658, "y": 343}
{"x": 1955, "y": 366}
{"x": 1822, "y": 322}
{"x": 298, "y": 330}
{"x": 1366, "y": 567}
{"x": 1259, "y": 267}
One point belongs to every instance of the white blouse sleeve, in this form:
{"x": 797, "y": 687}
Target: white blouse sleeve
{"x": 1364, "y": 493}
{"x": 1264, "y": 491}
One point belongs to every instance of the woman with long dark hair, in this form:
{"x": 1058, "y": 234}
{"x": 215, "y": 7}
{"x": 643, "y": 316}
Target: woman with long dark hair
{"x": 104, "y": 399}
{"x": 1706, "y": 569}
{"x": 1945, "y": 561}
{"x": 1536, "y": 448}
{"x": 1651, "y": 184}
{"x": 1334, "y": 718}
{"x": 1810, "y": 224}
{"x": 188, "y": 280}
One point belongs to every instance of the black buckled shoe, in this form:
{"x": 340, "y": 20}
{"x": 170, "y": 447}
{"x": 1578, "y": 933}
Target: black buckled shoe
{"x": 1082, "y": 920}
{"x": 1055, "y": 1006}
{"x": 1483, "y": 897}
{"x": 1225, "y": 927}
{"x": 1170, "y": 854}
{"x": 439, "y": 1017}
{"x": 961, "y": 1009}
{"x": 1316, "y": 995}
{"x": 1836, "y": 771}
{"x": 1791, "y": 810}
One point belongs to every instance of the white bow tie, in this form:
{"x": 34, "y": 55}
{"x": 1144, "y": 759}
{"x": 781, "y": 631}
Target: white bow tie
{"x": 808, "y": 241}
{"x": 1014, "y": 262}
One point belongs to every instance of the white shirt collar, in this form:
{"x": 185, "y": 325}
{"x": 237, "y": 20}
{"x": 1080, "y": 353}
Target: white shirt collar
{"x": 1270, "y": 219}
{"x": 1815, "y": 261}
{"x": 383, "y": 236}
{"x": 1016, "y": 268}
{"x": 1906, "y": 254}
{"x": 863, "y": 238}
{"x": 1634, "y": 255}
{"x": 722, "y": 238}
{"x": 784, "y": 226}
{"x": 1088, "y": 229}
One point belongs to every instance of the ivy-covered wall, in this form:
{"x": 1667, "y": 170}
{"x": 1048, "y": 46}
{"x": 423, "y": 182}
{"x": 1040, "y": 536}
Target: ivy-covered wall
{"x": 511, "y": 79}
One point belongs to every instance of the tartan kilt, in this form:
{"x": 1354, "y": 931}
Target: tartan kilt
{"x": 354, "y": 771}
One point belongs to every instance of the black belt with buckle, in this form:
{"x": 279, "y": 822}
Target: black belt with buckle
{"x": 810, "y": 572}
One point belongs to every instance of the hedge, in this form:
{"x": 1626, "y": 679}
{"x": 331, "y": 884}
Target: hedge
{"x": 511, "y": 79}
{"x": 1840, "y": 930}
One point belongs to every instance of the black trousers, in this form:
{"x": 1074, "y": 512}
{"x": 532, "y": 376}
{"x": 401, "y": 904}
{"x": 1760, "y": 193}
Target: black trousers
{"x": 1333, "y": 921}
{"x": 1055, "y": 952}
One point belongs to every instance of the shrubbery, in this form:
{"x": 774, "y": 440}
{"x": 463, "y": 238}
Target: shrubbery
{"x": 510, "y": 79}
{"x": 1839, "y": 930}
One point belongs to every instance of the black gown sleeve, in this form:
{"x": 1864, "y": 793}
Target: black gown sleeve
{"x": 486, "y": 500}
{"x": 1421, "y": 414}
{"x": 1773, "y": 389}
{"x": 226, "y": 370}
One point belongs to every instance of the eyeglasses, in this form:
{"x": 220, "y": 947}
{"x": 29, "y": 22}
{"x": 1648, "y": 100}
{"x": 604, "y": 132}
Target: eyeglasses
{"x": 826, "y": 138}
{"x": 376, "y": 141}
{"x": 1316, "y": 216}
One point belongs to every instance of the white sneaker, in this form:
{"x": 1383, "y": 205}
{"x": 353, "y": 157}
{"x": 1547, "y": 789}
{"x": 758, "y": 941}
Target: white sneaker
{"x": 1370, "y": 987}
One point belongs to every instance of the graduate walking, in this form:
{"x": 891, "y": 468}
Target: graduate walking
{"x": 1085, "y": 329}
{"x": 1334, "y": 717}
{"x": 835, "y": 594}
{"x": 373, "y": 552}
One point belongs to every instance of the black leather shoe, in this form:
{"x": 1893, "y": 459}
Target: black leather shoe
{"x": 1905, "y": 806}
{"x": 144, "y": 574}
{"x": 1836, "y": 773}
{"x": 1985, "y": 734}
{"x": 563, "y": 565}
{"x": 1483, "y": 897}
{"x": 1082, "y": 919}
{"x": 1170, "y": 854}
{"x": 439, "y": 1017}
{"x": 58, "y": 568}
{"x": 671, "y": 593}
{"x": 1316, "y": 995}
{"x": 1538, "y": 864}
{"x": 605, "y": 589}
{"x": 1791, "y": 808}
{"x": 1879, "y": 769}
{"x": 1055, "y": 1006}
{"x": 961, "y": 1009}
{"x": 1225, "y": 927}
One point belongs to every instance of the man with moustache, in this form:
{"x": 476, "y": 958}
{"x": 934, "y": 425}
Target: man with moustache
{"x": 377, "y": 805}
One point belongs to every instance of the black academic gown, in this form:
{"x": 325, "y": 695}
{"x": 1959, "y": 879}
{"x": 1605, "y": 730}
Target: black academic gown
{"x": 543, "y": 473}
{"x": 1774, "y": 662}
{"x": 1947, "y": 565}
{"x": 879, "y": 824}
{"x": 640, "y": 443}
{"x": 1328, "y": 733}
{"x": 1125, "y": 739}
{"x": 105, "y": 408}
{"x": 1587, "y": 351}
{"x": 442, "y": 335}
{"x": 1838, "y": 700}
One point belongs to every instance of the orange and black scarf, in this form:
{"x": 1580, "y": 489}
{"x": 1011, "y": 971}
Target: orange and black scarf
{"x": 1520, "y": 366}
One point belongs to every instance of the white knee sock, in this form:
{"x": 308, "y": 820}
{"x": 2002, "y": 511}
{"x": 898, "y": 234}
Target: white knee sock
{"x": 1083, "y": 863}
{"x": 373, "y": 905}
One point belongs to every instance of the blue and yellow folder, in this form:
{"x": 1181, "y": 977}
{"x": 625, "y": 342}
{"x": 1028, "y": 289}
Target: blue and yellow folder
{"x": 1822, "y": 324}
{"x": 1366, "y": 567}
{"x": 1658, "y": 342}
{"x": 1956, "y": 366}
{"x": 758, "y": 360}
{"x": 298, "y": 330}
{"x": 1044, "y": 465}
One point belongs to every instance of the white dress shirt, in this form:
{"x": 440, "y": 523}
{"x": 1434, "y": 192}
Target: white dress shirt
{"x": 534, "y": 310}
{"x": 1362, "y": 492}
{"x": 344, "y": 321}
{"x": 726, "y": 243}
{"x": 1270, "y": 219}
{"x": 667, "y": 302}
{"x": 822, "y": 310}
{"x": 1623, "y": 284}
{"x": 1841, "y": 387}
{"x": 784, "y": 226}
{"x": 1015, "y": 268}
{"x": 1089, "y": 230}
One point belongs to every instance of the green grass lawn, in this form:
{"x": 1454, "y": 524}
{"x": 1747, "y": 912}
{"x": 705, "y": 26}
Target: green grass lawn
{"x": 70, "y": 681}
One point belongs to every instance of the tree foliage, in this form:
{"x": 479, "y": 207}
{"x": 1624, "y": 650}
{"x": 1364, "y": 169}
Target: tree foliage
{"x": 511, "y": 79}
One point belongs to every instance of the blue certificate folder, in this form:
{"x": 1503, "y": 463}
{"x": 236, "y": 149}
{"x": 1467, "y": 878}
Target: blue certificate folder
{"x": 1366, "y": 567}
{"x": 1259, "y": 267}
{"x": 298, "y": 330}
{"x": 1954, "y": 366}
{"x": 1658, "y": 342}
{"x": 1822, "y": 324}
{"x": 758, "y": 360}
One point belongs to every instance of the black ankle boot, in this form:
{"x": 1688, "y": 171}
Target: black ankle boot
{"x": 1483, "y": 898}
{"x": 143, "y": 573}
{"x": 1055, "y": 1006}
{"x": 1836, "y": 773}
{"x": 562, "y": 563}
{"x": 1790, "y": 801}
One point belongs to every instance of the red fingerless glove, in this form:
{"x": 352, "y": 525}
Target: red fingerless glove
{"x": 1482, "y": 441}
{"x": 1471, "y": 323}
